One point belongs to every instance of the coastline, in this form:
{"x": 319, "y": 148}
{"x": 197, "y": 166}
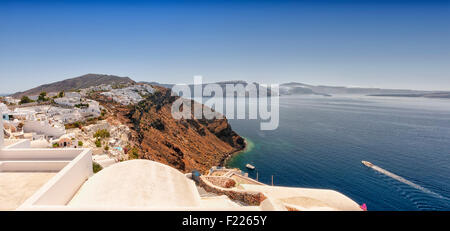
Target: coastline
{"x": 248, "y": 147}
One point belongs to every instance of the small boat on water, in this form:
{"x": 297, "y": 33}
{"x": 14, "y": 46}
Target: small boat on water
{"x": 367, "y": 163}
{"x": 249, "y": 166}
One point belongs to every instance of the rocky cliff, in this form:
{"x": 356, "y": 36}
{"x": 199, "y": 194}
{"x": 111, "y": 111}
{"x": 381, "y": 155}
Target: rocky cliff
{"x": 186, "y": 144}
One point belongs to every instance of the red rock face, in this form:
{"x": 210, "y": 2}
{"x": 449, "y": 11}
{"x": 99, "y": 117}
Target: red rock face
{"x": 184, "y": 144}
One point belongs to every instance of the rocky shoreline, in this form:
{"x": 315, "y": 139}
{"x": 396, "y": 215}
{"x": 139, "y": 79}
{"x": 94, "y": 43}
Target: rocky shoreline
{"x": 224, "y": 161}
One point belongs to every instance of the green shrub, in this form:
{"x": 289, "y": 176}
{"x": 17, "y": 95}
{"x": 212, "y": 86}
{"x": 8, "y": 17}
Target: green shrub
{"x": 98, "y": 143}
{"x": 96, "y": 167}
{"x": 42, "y": 97}
{"x": 133, "y": 153}
{"x": 82, "y": 105}
{"x": 80, "y": 143}
{"x": 55, "y": 145}
{"x": 103, "y": 133}
{"x": 25, "y": 99}
{"x": 77, "y": 124}
{"x": 103, "y": 112}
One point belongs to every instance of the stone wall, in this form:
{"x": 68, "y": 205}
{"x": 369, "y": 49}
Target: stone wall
{"x": 218, "y": 172}
{"x": 221, "y": 181}
{"x": 248, "y": 197}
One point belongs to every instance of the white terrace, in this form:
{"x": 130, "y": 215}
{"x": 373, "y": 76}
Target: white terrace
{"x": 32, "y": 178}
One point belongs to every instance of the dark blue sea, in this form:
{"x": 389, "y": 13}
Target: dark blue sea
{"x": 321, "y": 141}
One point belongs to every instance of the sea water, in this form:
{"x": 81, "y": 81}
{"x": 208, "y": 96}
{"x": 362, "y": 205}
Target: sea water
{"x": 321, "y": 142}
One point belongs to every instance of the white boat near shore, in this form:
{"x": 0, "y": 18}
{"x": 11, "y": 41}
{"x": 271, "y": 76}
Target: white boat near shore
{"x": 249, "y": 166}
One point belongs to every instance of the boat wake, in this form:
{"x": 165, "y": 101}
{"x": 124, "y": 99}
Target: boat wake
{"x": 405, "y": 181}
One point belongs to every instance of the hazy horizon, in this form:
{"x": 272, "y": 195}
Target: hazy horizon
{"x": 374, "y": 44}
{"x": 206, "y": 82}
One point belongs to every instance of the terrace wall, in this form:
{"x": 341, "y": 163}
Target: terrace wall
{"x": 248, "y": 197}
{"x": 220, "y": 181}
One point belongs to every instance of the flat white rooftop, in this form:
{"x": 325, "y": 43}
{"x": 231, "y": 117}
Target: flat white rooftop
{"x": 16, "y": 187}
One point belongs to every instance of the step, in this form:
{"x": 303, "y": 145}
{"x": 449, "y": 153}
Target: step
{"x": 100, "y": 157}
{"x": 106, "y": 163}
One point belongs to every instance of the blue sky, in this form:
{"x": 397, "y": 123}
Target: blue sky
{"x": 372, "y": 44}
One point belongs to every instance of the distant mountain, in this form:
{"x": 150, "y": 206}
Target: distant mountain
{"x": 292, "y": 88}
{"x": 76, "y": 83}
{"x": 285, "y": 89}
{"x": 334, "y": 90}
{"x": 438, "y": 95}
{"x": 445, "y": 95}
{"x": 299, "y": 89}
{"x": 295, "y": 88}
{"x": 165, "y": 85}
{"x": 221, "y": 84}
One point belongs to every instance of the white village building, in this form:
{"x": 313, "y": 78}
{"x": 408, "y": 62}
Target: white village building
{"x": 44, "y": 127}
{"x": 129, "y": 95}
{"x": 68, "y": 101}
{"x": 11, "y": 100}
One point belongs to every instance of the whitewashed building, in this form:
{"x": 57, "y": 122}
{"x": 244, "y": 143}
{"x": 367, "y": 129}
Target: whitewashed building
{"x": 93, "y": 109}
{"x": 68, "y": 101}
{"x": 11, "y": 100}
{"x": 44, "y": 127}
{"x": 129, "y": 95}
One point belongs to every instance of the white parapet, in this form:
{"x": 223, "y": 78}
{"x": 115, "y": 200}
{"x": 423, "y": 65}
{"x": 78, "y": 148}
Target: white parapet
{"x": 59, "y": 190}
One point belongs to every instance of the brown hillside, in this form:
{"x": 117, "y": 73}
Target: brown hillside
{"x": 80, "y": 82}
{"x": 184, "y": 144}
